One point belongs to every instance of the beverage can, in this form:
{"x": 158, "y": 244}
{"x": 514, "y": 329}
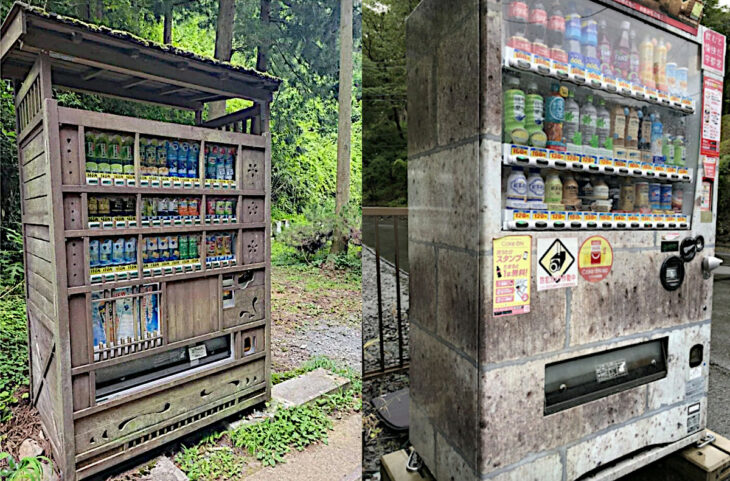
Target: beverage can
{"x": 227, "y": 242}
{"x": 641, "y": 198}
{"x": 94, "y": 253}
{"x": 172, "y": 206}
{"x": 127, "y": 154}
{"x": 173, "y": 151}
{"x": 182, "y": 207}
{"x": 229, "y": 164}
{"x": 173, "y": 246}
{"x": 117, "y": 206}
{"x": 145, "y": 253}
{"x": 671, "y": 71}
{"x": 210, "y": 206}
{"x": 163, "y": 247}
{"x": 220, "y": 164}
{"x": 655, "y": 196}
{"x": 162, "y": 209}
{"x": 130, "y": 250}
{"x": 220, "y": 207}
{"x": 102, "y": 154}
{"x": 163, "y": 158}
{"x": 182, "y": 243}
{"x": 103, "y": 207}
{"x": 182, "y": 159}
{"x": 682, "y": 81}
{"x": 666, "y": 196}
{"x": 105, "y": 252}
{"x": 193, "y": 247}
{"x": 211, "y": 245}
{"x": 677, "y": 199}
{"x": 220, "y": 244}
{"x": 211, "y": 154}
{"x": 93, "y": 206}
{"x": 152, "y": 249}
{"x": 151, "y": 156}
{"x": 229, "y": 208}
{"x": 118, "y": 252}
{"x": 91, "y": 164}
{"x": 116, "y": 163}
{"x": 193, "y": 207}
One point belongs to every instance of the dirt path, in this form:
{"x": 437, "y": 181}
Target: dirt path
{"x": 339, "y": 460}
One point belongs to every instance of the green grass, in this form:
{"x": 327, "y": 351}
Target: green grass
{"x": 225, "y": 455}
{"x": 286, "y": 256}
{"x": 27, "y": 469}
{"x": 14, "y": 358}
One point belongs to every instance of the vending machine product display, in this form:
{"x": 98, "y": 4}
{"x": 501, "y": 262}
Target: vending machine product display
{"x": 146, "y": 243}
{"x": 561, "y": 231}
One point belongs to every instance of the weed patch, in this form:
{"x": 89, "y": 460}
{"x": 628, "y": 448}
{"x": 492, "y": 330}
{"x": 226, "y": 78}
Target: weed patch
{"x": 14, "y": 360}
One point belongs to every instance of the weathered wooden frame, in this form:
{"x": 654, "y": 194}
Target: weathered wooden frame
{"x": 54, "y": 198}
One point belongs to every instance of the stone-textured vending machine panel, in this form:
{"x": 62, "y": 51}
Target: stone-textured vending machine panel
{"x": 560, "y": 319}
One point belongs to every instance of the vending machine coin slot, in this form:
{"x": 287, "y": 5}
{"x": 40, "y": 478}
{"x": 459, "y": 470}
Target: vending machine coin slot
{"x": 671, "y": 273}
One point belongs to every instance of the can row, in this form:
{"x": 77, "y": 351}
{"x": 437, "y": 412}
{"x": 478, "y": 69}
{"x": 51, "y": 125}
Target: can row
{"x": 220, "y": 245}
{"x": 111, "y": 206}
{"x": 112, "y": 252}
{"x": 170, "y": 248}
{"x": 109, "y": 153}
{"x": 219, "y": 162}
{"x": 170, "y": 207}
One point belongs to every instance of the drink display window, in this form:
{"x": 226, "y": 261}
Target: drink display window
{"x": 599, "y": 123}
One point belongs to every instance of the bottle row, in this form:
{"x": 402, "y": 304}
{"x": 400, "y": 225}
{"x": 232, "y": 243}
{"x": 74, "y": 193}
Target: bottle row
{"x": 113, "y": 259}
{"x": 163, "y": 162}
{"x": 572, "y": 41}
{"x": 125, "y": 320}
{"x": 628, "y": 164}
{"x": 589, "y": 124}
{"x": 108, "y": 212}
{"x": 542, "y": 219}
{"x": 594, "y": 193}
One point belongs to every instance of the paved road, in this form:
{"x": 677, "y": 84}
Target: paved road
{"x": 339, "y": 460}
{"x": 719, "y": 412}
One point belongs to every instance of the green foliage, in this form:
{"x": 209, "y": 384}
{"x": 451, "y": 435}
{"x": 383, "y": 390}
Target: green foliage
{"x": 11, "y": 256}
{"x": 14, "y": 358}
{"x": 27, "y": 469}
{"x": 205, "y": 462}
{"x": 313, "y": 363}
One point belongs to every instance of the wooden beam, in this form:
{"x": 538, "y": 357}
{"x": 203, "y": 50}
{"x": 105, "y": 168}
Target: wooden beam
{"x": 77, "y": 38}
{"x": 91, "y": 73}
{"x": 111, "y": 89}
{"x": 14, "y": 32}
{"x": 233, "y": 117}
{"x": 135, "y": 82}
{"x": 170, "y": 91}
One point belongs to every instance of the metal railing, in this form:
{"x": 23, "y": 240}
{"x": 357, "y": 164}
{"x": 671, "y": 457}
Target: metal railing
{"x": 379, "y": 217}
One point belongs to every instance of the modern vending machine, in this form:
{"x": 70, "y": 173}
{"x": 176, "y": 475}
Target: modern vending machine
{"x": 562, "y": 182}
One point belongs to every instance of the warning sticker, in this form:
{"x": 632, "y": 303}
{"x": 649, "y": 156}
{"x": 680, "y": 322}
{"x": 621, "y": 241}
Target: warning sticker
{"x": 556, "y": 258}
{"x": 595, "y": 259}
{"x": 511, "y": 275}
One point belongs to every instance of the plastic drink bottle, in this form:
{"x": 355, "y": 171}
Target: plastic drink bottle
{"x": 589, "y": 42}
{"x": 660, "y": 65}
{"x": 116, "y": 163}
{"x": 573, "y": 36}
{"x": 667, "y": 146}
{"x": 91, "y": 165}
{"x": 517, "y": 17}
{"x": 657, "y": 133}
{"x": 173, "y": 154}
{"x": 118, "y": 252}
{"x": 130, "y": 250}
{"x": 553, "y": 188}
{"x": 516, "y": 188}
{"x": 535, "y": 187}
{"x": 634, "y": 60}
{"x": 603, "y": 123}
{"x": 534, "y": 116}
{"x": 94, "y": 253}
{"x": 632, "y": 128}
{"x": 182, "y": 159}
{"x": 102, "y": 159}
{"x": 588, "y": 122}
{"x": 604, "y": 49}
{"x": 618, "y": 126}
{"x": 229, "y": 164}
{"x": 556, "y": 34}
{"x": 536, "y": 29}
{"x": 680, "y": 151}
{"x": 554, "y": 117}
{"x": 571, "y": 123}
{"x": 671, "y": 72}
{"x": 514, "y": 113}
{"x": 646, "y": 63}
{"x": 127, "y": 154}
{"x": 622, "y": 52}
{"x": 193, "y": 158}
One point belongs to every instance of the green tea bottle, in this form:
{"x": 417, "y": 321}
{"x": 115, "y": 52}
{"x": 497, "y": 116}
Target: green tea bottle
{"x": 114, "y": 148}
{"x": 91, "y": 164}
{"x": 534, "y": 116}
{"x": 102, "y": 153}
{"x": 127, "y": 154}
{"x": 514, "y": 113}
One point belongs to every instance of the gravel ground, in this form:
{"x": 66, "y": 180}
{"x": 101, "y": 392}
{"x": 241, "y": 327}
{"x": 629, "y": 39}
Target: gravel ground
{"x": 341, "y": 343}
{"x": 370, "y": 323}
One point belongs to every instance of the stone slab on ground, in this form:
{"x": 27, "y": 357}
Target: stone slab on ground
{"x": 307, "y": 387}
{"x": 339, "y": 460}
{"x": 165, "y": 470}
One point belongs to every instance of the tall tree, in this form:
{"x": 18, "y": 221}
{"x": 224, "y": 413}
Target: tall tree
{"x": 344, "y": 126}
{"x": 262, "y": 56}
{"x": 223, "y": 46}
{"x": 167, "y": 26}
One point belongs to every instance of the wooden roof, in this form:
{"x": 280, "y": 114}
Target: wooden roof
{"x": 96, "y": 59}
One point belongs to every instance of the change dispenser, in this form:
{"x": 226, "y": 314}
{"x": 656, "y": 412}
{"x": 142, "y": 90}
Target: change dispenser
{"x": 560, "y": 236}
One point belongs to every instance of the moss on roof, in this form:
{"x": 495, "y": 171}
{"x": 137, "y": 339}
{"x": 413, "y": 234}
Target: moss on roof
{"x": 126, "y": 36}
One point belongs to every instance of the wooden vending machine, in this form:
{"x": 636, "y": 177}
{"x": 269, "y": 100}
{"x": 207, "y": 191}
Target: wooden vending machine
{"x": 561, "y": 194}
{"x": 146, "y": 243}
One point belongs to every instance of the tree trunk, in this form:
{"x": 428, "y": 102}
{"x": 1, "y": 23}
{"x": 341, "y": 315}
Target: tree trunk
{"x": 99, "y": 10}
{"x": 339, "y": 242}
{"x": 83, "y": 9}
{"x": 167, "y": 28}
{"x": 262, "y": 56}
{"x": 223, "y": 47}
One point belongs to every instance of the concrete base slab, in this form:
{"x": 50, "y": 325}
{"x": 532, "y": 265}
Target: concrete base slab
{"x": 307, "y": 387}
{"x": 165, "y": 470}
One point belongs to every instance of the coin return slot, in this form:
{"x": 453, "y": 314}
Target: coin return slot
{"x": 696, "y": 355}
{"x": 249, "y": 345}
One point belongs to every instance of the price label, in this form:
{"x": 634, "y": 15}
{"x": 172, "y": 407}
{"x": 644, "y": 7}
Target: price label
{"x": 571, "y": 157}
{"x": 541, "y": 61}
{"x": 576, "y": 71}
{"x": 594, "y": 77}
{"x": 522, "y": 56}
{"x": 619, "y": 217}
{"x": 605, "y": 217}
{"x": 605, "y": 161}
{"x": 575, "y": 216}
{"x": 647, "y": 218}
{"x": 521, "y": 215}
{"x": 557, "y": 216}
{"x": 590, "y": 217}
{"x": 589, "y": 159}
{"x": 663, "y": 97}
{"x": 609, "y": 82}
{"x": 619, "y": 163}
{"x": 560, "y": 68}
{"x": 519, "y": 151}
{"x": 539, "y": 215}
{"x": 556, "y": 156}
{"x": 624, "y": 85}
{"x": 634, "y": 218}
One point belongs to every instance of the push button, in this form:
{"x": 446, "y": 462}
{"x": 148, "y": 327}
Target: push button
{"x": 688, "y": 249}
